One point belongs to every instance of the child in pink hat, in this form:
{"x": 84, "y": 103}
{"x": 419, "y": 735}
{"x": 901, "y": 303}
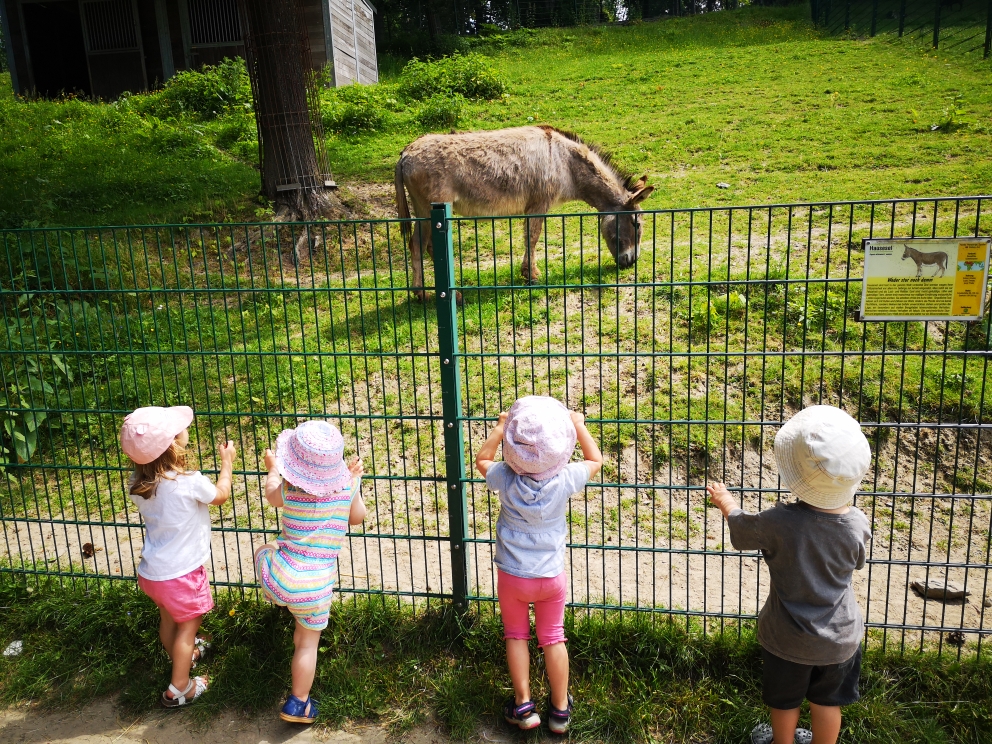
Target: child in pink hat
{"x": 319, "y": 494}
{"x": 173, "y": 503}
{"x": 535, "y": 482}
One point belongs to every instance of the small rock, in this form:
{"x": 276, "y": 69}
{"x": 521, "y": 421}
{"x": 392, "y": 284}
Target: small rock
{"x": 955, "y": 638}
{"x": 14, "y": 648}
{"x": 987, "y": 602}
{"x": 937, "y": 589}
{"x": 723, "y": 185}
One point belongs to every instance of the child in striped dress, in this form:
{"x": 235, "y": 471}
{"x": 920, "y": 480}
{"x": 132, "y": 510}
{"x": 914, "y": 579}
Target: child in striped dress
{"x": 319, "y": 496}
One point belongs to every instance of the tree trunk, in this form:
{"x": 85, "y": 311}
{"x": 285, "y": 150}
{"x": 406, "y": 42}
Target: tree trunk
{"x": 295, "y": 172}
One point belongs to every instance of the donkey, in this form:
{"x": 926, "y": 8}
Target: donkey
{"x": 523, "y": 170}
{"x": 926, "y": 259}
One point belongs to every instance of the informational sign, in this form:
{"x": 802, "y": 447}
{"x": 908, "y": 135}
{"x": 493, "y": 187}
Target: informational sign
{"x": 925, "y": 279}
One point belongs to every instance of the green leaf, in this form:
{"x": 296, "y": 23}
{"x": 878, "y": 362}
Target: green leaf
{"x": 26, "y": 447}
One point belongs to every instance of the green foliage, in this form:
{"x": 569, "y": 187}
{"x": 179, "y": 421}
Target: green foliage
{"x": 353, "y": 109}
{"x": 441, "y": 111}
{"x": 206, "y": 93}
{"x": 471, "y": 75}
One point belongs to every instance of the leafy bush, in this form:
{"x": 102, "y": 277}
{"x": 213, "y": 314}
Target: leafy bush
{"x": 238, "y": 135}
{"x": 206, "y": 93}
{"x": 358, "y": 108}
{"x": 441, "y": 111}
{"x": 470, "y": 75}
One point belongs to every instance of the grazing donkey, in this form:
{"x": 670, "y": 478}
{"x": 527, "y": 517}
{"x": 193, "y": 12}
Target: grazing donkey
{"x": 926, "y": 259}
{"x": 524, "y": 170}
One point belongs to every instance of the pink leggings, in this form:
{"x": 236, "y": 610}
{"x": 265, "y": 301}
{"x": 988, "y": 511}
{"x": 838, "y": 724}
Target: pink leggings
{"x": 516, "y": 594}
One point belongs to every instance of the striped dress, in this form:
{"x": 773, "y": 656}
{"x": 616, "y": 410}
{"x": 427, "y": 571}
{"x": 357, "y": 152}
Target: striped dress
{"x": 300, "y": 573}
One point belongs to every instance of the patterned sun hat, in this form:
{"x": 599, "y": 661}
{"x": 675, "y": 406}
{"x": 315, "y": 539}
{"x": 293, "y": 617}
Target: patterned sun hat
{"x": 539, "y": 437}
{"x": 311, "y": 457}
{"x": 822, "y": 456}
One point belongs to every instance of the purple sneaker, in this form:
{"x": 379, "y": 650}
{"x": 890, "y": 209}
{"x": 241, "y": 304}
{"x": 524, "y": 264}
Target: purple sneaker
{"x": 524, "y": 716}
{"x": 558, "y": 719}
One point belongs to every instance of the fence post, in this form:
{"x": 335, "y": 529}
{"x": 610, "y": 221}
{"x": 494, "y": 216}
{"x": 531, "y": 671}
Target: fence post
{"x": 902, "y": 17}
{"x": 988, "y": 32}
{"x": 874, "y": 17}
{"x": 451, "y": 398}
{"x": 936, "y": 23}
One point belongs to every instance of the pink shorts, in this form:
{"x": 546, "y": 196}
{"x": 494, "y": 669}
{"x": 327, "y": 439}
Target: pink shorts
{"x": 516, "y": 594}
{"x": 184, "y": 598}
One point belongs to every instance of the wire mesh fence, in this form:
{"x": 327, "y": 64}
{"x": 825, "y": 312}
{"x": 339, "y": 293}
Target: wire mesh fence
{"x": 953, "y": 26}
{"x": 685, "y": 365}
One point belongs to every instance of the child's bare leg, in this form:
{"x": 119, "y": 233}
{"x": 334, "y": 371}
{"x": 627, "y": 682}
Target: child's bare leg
{"x": 304, "y": 660}
{"x": 825, "y": 722}
{"x": 518, "y": 659}
{"x": 182, "y": 651}
{"x": 556, "y": 661}
{"x": 784, "y": 724}
{"x": 167, "y": 631}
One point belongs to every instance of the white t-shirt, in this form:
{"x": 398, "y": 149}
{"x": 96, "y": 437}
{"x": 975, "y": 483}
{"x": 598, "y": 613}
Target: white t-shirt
{"x": 177, "y": 526}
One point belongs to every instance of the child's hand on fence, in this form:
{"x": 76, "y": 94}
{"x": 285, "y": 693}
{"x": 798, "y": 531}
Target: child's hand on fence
{"x": 355, "y": 467}
{"x": 270, "y": 459}
{"x": 578, "y": 419}
{"x": 502, "y": 419}
{"x": 227, "y": 452}
{"x": 721, "y": 498}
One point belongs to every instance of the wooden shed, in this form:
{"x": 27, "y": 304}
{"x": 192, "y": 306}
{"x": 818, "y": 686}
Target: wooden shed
{"x": 102, "y": 48}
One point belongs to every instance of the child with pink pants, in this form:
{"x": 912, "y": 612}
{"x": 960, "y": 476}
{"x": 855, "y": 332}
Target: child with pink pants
{"x": 535, "y": 482}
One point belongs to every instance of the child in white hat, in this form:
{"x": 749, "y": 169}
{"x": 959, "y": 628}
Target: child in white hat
{"x": 535, "y": 482}
{"x": 173, "y": 502}
{"x": 810, "y": 627}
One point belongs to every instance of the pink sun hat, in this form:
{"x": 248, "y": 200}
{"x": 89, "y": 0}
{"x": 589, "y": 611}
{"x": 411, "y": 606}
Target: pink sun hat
{"x": 539, "y": 437}
{"x": 311, "y": 457}
{"x": 148, "y": 432}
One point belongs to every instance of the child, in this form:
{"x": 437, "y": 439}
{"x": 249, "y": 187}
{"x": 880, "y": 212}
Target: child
{"x": 300, "y": 569}
{"x": 810, "y": 628}
{"x": 535, "y": 482}
{"x": 173, "y": 503}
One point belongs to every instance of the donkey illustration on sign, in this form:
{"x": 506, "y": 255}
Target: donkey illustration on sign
{"x": 523, "y": 170}
{"x": 938, "y": 258}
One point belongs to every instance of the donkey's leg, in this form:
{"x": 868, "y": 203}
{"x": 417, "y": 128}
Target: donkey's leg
{"x": 528, "y": 267}
{"x": 420, "y": 238}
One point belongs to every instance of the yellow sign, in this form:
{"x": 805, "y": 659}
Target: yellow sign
{"x": 925, "y": 278}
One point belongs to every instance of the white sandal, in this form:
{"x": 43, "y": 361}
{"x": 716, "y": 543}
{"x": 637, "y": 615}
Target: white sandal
{"x": 200, "y": 646}
{"x": 198, "y": 686}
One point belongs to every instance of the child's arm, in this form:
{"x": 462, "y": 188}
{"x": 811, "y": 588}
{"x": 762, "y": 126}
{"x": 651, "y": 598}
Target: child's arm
{"x": 224, "y": 480}
{"x": 590, "y": 450}
{"x": 485, "y": 459}
{"x": 273, "y": 481}
{"x": 722, "y": 499}
{"x": 358, "y": 511}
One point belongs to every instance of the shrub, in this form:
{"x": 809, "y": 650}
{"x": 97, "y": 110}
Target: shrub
{"x": 441, "y": 111}
{"x": 470, "y": 75}
{"x": 358, "y": 108}
{"x": 206, "y": 93}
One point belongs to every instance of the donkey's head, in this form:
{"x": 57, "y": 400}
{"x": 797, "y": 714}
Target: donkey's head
{"x": 622, "y": 232}
{"x": 905, "y": 252}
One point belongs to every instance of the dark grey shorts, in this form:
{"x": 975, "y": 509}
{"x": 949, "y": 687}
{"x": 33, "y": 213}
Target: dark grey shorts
{"x": 784, "y": 684}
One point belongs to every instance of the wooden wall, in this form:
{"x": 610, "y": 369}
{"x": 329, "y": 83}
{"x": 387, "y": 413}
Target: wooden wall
{"x": 353, "y": 32}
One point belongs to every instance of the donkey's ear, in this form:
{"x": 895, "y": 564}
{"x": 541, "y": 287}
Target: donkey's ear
{"x": 640, "y": 195}
{"x": 641, "y": 182}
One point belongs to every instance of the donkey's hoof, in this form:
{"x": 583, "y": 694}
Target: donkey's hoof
{"x": 420, "y": 294}
{"x": 458, "y": 299}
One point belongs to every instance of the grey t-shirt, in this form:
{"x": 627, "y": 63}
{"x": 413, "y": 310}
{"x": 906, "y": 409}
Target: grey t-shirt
{"x": 531, "y": 529}
{"x": 811, "y": 615}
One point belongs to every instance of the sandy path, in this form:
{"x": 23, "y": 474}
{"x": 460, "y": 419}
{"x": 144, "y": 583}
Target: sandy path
{"x": 100, "y": 723}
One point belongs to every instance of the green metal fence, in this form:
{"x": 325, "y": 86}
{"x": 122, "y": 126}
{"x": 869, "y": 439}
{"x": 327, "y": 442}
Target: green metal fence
{"x": 685, "y": 364}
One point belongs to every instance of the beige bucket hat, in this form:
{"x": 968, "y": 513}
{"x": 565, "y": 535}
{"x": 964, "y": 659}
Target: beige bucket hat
{"x": 822, "y": 456}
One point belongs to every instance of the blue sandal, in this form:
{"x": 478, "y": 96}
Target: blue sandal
{"x": 299, "y": 711}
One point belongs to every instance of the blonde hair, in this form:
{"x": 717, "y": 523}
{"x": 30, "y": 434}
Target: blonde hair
{"x": 145, "y": 478}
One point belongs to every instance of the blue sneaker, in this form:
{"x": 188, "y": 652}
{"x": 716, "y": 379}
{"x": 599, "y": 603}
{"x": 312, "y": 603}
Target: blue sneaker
{"x": 299, "y": 711}
{"x": 558, "y": 720}
{"x": 524, "y": 716}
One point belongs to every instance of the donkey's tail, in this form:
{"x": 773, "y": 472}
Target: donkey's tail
{"x": 402, "y": 207}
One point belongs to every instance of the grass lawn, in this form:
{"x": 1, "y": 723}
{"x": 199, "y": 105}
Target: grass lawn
{"x": 754, "y": 98}
{"x": 634, "y": 678}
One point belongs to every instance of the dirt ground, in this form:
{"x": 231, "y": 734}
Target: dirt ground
{"x": 100, "y": 723}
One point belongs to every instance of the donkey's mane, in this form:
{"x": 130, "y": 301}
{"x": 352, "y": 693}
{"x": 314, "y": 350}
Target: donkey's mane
{"x": 623, "y": 176}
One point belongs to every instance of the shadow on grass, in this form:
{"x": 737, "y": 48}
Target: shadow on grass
{"x": 635, "y": 678}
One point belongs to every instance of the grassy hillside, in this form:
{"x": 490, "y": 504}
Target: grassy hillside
{"x": 755, "y": 98}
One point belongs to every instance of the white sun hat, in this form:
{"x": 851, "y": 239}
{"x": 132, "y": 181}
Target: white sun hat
{"x": 822, "y": 456}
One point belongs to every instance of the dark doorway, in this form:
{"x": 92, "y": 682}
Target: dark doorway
{"x": 55, "y": 42}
